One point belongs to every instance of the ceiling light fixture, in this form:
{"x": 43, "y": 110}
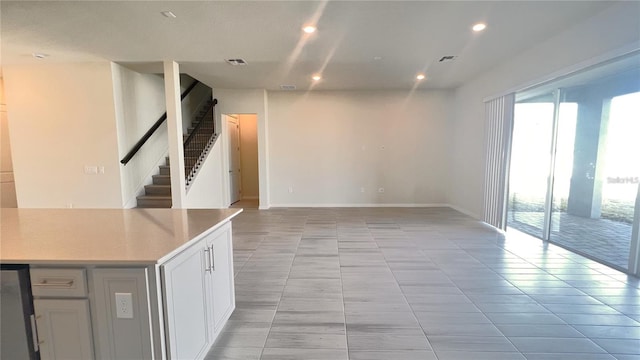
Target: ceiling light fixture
{"x": 420, "y": 77}
{"x": 316, "y": 77}
{"x": 479, "y": 27}
{"x": 309, "y": 29}
{"x": 40, "y": 55}
{"x": 168, "y": 14}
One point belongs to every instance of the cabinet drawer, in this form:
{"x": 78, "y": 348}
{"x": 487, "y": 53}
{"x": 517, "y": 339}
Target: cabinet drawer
{"x": 59, "y": 282}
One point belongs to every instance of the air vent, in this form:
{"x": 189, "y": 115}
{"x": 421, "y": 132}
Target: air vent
{"x": 447, "y": 58}
{"x": 236, "y": 62}
{"x": 287, "y": 87}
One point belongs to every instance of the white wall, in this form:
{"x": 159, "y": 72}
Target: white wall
{"x": 139, "y": 101}
{"x": 7, "y": 184}
{"x": 326, "y": 146}
{"x": 61, "y": 118}
{"x": 249, "y": 155}
{"x": 603, "y": 35}
{"x": 251, "y": 101}
{"x": 206, "y": 191}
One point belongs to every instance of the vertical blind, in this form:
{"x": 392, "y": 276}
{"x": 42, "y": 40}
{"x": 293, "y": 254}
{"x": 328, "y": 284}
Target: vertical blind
{"x": 498, "y": 129}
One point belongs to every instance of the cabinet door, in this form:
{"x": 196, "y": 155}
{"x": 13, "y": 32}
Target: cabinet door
{"x": 64, "y": 329}
{"x": 224, "y": 297}
{"x": 187, "y": 302}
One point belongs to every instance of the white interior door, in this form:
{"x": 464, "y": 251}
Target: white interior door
{"x": 235, "y": 179}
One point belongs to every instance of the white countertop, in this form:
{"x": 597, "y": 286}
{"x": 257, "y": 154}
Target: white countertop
{"x": 102, "y": 236}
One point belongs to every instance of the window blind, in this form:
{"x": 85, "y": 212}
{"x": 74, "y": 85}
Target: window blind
{"x": 498, "y": 131}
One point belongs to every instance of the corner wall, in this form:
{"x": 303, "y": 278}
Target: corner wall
{"x": 7, "y": 184}
{"x": 610, "y": 33}
{"x": 61, "y": 119}
{"x": 139, "y": 102}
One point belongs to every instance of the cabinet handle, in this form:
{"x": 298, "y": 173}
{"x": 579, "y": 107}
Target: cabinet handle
{"x": 213, "y": 261}
{"x": 34, "y": 333}
{"x": 55, "y": 283}
{"x": 207, "y": 265}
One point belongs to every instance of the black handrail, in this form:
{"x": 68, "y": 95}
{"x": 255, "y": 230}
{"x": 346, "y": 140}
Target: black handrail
{"x": 199, "y": 140}
{"x": 199, "y": 124}
{"x": 153, "y": 128}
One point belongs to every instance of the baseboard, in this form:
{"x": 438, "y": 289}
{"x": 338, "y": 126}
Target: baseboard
{"x": 465, "y": 211}
{"x": 367, "y": 205}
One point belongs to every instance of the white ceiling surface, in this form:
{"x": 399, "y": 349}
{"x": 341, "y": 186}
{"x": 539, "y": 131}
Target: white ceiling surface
{"x": 410, "y": 36}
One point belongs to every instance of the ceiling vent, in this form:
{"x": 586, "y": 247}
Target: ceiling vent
{"x": 447, "y": 58}
{"x": 287, "y": 87}
{"x": 236, "y": 62}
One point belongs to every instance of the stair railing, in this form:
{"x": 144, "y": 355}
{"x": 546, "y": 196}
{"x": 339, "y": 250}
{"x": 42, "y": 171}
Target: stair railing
{"x": 199, "y": 141}
{"x": 153, "y": 128}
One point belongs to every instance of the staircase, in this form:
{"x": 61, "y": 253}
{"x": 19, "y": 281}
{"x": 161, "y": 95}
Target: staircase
{"x": 158, "y": 194}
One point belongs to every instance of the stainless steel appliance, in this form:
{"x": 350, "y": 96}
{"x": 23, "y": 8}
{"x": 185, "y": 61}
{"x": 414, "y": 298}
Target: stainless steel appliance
{"x": 18, "y": 339}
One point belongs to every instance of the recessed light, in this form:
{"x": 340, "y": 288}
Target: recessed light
{"x": 40, "y": 55}
{"x": 316, "y": 77}
{"x": 169, "y": 14}
{"x": 420, "y": 77}
{"x": 377, "y": 58}
{"x": 309, "y": 29}
{"x": 479, "y": 27}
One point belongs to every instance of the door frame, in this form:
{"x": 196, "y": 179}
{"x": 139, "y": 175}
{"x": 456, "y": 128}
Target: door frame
{"x": 262, "y": 160}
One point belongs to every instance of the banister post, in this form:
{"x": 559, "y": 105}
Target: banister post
{"x": 174, "y": 126}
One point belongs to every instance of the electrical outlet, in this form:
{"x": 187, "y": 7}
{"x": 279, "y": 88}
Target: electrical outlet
{"x": 380, "y": 190}
{"x": 124, "y": 306}
{"x": 290, "y": 189}
{"x": 361, "y": 189}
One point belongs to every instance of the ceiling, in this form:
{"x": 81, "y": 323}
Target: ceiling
{"x": 359, "y": 45}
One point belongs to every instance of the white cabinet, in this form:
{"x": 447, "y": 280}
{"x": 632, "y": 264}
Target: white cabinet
{"x": 198, "y": 294}
{"x": 187, "y": 302}
{"x": 222, "y": 273}
{"x": 64, "y": 329}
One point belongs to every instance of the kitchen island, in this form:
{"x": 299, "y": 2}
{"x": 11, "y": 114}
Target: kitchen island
{"x": 124, "y": 284}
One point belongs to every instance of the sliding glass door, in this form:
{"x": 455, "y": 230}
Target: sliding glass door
{"x": 575, "y": 163}
{"x": 596, "y": 177}
{"x": 533, "y": 121}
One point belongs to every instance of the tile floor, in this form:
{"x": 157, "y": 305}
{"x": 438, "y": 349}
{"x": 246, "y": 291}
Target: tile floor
{"x": 428, "y": 283}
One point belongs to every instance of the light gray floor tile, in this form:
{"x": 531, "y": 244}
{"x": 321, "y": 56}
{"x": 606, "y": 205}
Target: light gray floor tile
{"x": 466, "y": 355}
{"x": 297, "y": 340}
{"x": 525, "y": 318}
{"x": 387, "y": 342}
{"x": 306, "y": 354}
{"x": 243, "y": 339}
{"x": 395, "y": 355}
{"x": 620, "y": 346}
{"x": 538, "y": 330}
{"x": 609, "y": 332}
{"x": 228, "y": 353}
{"x": 567, "y": 356}
{"x": 461, "y": 330}
{"x": 555, "y": 345}
{"x": 471, "y": 344}
{"x": 613, "y": 320}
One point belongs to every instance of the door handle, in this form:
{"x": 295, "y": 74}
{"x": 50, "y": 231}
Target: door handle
{"x": 207, "y": 264}
{"x": 213, "y": 261}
